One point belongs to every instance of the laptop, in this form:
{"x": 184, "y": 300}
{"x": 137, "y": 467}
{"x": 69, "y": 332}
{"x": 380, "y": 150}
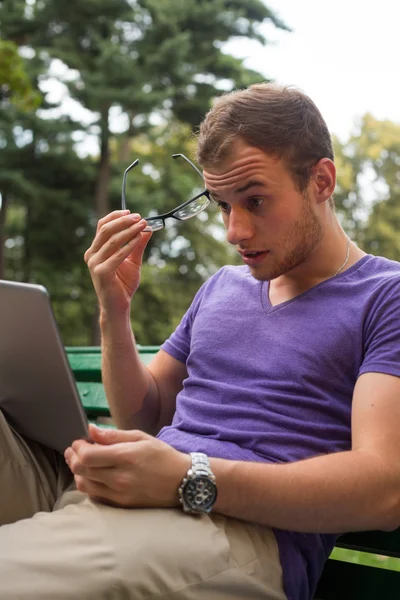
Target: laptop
{"x": 38, "y": 393}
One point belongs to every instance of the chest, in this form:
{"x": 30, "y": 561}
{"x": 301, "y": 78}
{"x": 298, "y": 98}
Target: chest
{"x": 299, "y": 341}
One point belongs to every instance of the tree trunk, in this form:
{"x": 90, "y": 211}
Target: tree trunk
{"x": 101, "y": 195}
{"x": 125, "y": 156}
{"x": 3, "y": 212}
{"x": 103, "y": 176}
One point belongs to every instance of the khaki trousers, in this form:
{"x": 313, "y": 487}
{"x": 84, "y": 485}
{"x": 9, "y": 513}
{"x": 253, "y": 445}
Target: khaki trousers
{"x": 59, "y": 545}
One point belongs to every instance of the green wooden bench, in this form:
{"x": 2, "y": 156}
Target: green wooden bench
{"x": 363, "y": 566}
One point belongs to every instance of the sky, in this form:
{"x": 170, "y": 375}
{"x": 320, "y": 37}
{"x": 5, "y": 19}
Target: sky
{"x": 344, "y": 54}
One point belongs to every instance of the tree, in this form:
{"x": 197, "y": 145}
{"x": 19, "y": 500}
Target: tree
{"x": 46, "y": 188}
{"x": 155, "y": 64}
{"x": 146, "y": 56}
{"x": 368, "y": 195}
{"x": 181, "y": 256}
{"x": 15, "y": 90}
{"x": 15, "y": 85}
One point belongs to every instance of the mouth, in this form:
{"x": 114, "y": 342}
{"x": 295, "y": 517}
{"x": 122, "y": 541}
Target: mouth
{"x": 253, "y": 257}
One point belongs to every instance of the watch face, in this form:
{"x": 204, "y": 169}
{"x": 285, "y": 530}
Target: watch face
{"x": 200, "y": 493}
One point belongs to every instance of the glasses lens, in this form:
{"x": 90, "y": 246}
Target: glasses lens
{"x": 192, "y": 209}
{"x": 155, "y": 224}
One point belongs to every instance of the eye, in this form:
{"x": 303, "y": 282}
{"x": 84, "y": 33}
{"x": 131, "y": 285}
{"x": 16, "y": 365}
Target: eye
{"x": 224, "y": 206}
{"x": 255, "y": 202}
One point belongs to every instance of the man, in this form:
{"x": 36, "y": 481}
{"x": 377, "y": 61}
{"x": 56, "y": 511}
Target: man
{"x": 282, "y": 379}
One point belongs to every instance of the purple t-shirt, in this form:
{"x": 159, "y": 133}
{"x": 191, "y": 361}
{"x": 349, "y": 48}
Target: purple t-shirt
{"x": 275, "y": 383}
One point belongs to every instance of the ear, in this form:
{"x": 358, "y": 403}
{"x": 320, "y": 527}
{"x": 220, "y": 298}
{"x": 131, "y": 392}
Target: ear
{"x": 323, "y": 180}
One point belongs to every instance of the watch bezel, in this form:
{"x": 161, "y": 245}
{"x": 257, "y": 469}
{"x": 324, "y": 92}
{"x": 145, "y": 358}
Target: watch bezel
{"x": 193, "y": 507}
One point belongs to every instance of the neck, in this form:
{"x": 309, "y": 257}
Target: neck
{"x": 332, "y": 255}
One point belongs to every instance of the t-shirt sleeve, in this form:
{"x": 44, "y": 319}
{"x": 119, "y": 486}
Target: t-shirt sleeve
{"x": 382, "y": 335}
{"x": 178, "y": 344}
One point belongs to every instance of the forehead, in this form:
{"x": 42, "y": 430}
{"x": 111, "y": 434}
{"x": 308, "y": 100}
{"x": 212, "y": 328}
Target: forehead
{"x": 243, "y": 164}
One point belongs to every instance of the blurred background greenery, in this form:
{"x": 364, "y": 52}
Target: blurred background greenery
{"x": 139, "y": 75}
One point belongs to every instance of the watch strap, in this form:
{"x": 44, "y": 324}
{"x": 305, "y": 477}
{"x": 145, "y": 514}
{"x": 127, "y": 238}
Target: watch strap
{"x": 200, "y": 468}
{"x": 201, "y": 464}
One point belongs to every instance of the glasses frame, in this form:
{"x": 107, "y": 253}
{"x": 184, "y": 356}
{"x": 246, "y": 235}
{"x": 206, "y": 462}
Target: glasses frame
{"x": 170, "y": 214}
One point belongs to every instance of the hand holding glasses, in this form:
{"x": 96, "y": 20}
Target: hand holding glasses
{"x": 184, "y": 211}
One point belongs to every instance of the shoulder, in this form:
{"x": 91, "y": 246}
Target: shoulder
{"x": 227, "y": 283}
{"x": 381, "y": 330}
{"x": 229, "y": 275}
{"x": 380, "y": 269}
{"x": 375, "y": 277}
{"x": 381, "y": 278}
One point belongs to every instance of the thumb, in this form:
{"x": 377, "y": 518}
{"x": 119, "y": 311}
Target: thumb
{"x": 137, "y": 254}
{"x": 110, "y": 436}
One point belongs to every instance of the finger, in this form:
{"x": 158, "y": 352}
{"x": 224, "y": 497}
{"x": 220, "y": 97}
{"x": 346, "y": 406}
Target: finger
{"x": 75, "y": 446}
{"x": 100, "y": 492}
{"x": 116, "y": 436}
{"x": 119, "y": 480}
{"x": 96, "y": 456}
{"x": 92, "y": 488}
{"x": 109, "y": 476}
{"x": 111, "y": 264}
{"x": 77, "y": 457}
{"x": 117, "y": 232}
{"x": 136, "y": 256}
{"x": 116, "y": 214}
{"x": 108, "y": 226}
{"x": 116, "y": 242}
{"x": 101, "y": 455}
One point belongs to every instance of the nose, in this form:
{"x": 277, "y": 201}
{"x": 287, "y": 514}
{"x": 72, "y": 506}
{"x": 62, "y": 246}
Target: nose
{"x": 240, "y": 226}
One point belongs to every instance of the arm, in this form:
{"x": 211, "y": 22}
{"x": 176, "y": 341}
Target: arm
{"x": 347, "y": 491}
{"x": 138, "y": 396}
{"x": 354, "y": 490}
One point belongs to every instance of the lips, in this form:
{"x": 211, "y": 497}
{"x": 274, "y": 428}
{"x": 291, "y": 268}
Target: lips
{"x": 253, "y": 257}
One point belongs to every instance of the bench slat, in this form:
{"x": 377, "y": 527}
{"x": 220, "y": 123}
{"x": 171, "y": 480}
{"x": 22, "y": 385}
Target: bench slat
{"x": 376, "y": 542}
{"x": 350, "y": 581}
{"x": 87, "y": 365}
{"x": 93, "y": 399}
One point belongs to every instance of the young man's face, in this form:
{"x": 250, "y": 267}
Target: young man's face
{"x": 273, "y": 226}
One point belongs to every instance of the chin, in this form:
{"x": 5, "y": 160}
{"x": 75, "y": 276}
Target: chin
{"x": 263, "y": 274}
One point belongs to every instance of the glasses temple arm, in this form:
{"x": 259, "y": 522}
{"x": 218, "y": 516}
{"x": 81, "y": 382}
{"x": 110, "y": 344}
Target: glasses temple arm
{"x": 190, "y": 163}
{"x": 135, "y": 162}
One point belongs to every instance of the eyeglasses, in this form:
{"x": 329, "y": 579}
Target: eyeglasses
{"x": 184, "y": 211}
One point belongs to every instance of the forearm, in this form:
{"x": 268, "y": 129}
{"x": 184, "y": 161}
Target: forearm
{"x": 328, "y": 494}
{"x": 130, "y": 389}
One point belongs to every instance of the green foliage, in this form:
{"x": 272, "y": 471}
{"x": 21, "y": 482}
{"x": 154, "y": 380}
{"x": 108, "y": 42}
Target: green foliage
{"x": 368, "y": 191}
{"x": 15, "y": 85}
{"x": 151, "y": 62}
{"x": 181, "y": 256}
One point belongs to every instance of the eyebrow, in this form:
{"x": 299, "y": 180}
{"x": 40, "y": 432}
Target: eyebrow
{"x": 250, "y": 184}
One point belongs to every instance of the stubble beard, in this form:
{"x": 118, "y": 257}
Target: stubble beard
{"x": 304, "y": 236}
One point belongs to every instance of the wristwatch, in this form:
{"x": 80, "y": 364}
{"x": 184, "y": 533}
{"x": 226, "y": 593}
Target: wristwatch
{"x": 198, "y": 490}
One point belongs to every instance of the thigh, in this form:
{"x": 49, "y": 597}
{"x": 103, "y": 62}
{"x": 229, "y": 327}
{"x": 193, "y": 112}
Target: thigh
{"x": 31, "y": 476}
{"x": 169, "y": 555}
{"x": 92, "y": 551}
{"x": 60, "y": 555}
